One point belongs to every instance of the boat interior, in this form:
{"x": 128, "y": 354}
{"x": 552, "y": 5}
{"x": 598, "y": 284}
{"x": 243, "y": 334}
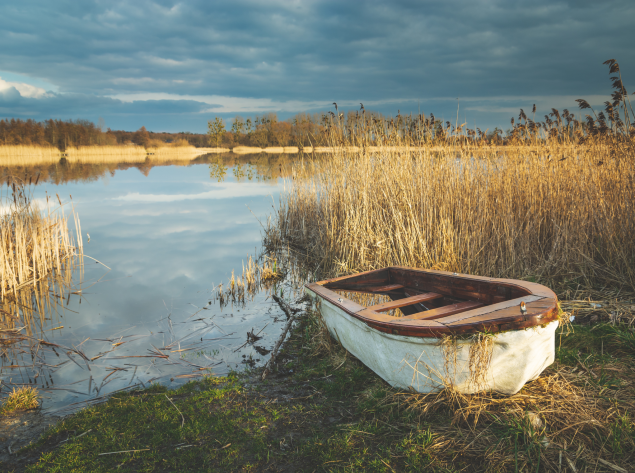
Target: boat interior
{"x": 401, "y": 295}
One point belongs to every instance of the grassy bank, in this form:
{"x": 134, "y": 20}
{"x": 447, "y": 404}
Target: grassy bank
{"x": 322, "y": 410}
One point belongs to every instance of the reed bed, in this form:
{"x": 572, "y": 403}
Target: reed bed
{"x": 273, "y": 150}
{"x": 106, "y": 154}
{"x": 17, "y": 155}
{"x": 247, "y": 150}
{"x": 255, "y": 275}
{"x": 37, "y": 258}
{"x": 38, "y": 155}
{"x": 166, "y": 153}
{"x": 549, "y": 201}
{"x": 564, "y": 219}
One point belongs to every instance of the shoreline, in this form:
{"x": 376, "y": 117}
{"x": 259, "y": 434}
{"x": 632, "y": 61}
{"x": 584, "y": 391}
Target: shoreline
{"x": 321, "y": 409}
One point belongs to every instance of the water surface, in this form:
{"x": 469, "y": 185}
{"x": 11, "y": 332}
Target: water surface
{"x": 170, "y": 235}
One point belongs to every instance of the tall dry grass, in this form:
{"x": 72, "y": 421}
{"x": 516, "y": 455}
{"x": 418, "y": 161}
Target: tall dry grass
{"x": 565, "y": 219}
{"x": 166, "y": 153}
{"x": 106, "y": 154}
{"x": 37, "y": 256}
{"x": 17, "y": 155}
{"x": 24, "y": 155}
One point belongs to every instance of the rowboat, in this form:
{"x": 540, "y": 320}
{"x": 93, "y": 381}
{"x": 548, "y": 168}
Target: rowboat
{"x": 426, "y": 330}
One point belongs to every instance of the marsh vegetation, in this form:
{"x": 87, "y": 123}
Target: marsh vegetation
{"x": 552, "y": 205}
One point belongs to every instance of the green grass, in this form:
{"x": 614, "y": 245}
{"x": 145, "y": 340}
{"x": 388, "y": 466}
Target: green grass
{"x": 23, "y": 398}
{"x": 215, "y": 431}
{"x": 325, "y": 411}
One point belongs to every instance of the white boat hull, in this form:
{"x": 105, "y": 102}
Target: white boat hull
{"x": 421, "y": 363}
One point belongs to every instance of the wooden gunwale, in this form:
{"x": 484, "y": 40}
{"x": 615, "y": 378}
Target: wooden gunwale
{"x": 499, "y": 301}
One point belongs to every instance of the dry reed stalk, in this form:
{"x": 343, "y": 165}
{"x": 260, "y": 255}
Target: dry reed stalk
{"x": 246, "y": 150}
{"x": 106, "y": 154}
{"x": 274, "y": 150}
{"x": 215, "y": 150}
{"x": 480, "y": 358}
{"x": 565, "y": 221}
{"x": 253, "y": 278}
{"x": 323, "y": 149}
{"x": 37, "y": 256}
{"x": 270, "y": 272}
{"x": 23, "y": 398}
{"x": 21, "y": 155}
{"x": 166, "y": 153}
{"x": 550, "y": 415}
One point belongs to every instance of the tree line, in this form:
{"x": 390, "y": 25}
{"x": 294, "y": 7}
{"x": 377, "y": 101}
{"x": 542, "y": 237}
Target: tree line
{"x": 266, "y": 130}
{"x": 73, "y": 133}
{"x": 261, "y": 131}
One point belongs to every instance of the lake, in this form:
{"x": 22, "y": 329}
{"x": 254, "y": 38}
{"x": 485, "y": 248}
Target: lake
{"x": 170, "y": 234}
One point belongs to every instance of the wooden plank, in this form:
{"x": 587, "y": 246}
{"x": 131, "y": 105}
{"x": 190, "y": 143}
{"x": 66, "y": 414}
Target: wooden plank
{"x": 433, "y": 304}
{"x": 357, "y": 290}
{"x": 518, "y": 288}
{"x": 509, "y": 314}
{"x": 373, "y": 316}
{"x": 364, "y": 289}
{"x": 381, "y": 275}
{"x": 465, "y": 286}
{"x": 442, "y": 311}
{"x": 358, "y": 285}
{"x": 334, "y": 298}
{"x": 390, "y": 287}
{"x": 428, "y": 296}
{"x": 490, "y": 308}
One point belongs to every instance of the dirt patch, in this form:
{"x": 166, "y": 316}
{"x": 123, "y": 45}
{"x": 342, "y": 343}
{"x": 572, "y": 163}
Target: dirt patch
{"x": 19, "y": 429}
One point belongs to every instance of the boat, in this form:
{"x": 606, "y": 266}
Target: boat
{"x": 426, "y": 330}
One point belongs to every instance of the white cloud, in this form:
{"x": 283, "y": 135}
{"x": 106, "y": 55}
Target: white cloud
{"x": 225, "y": 104}
{"x": 26, "y": 90}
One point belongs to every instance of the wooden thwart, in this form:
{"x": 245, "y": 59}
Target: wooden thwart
{"x": 442, "y": 311}
{"x": 428, "y": 296}
{"x": 391, "y": 287}
{"x": 366, "y": 289}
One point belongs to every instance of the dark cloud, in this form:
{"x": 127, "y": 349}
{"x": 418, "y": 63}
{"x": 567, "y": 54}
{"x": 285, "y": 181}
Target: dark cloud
{"x": 312, "y": 51}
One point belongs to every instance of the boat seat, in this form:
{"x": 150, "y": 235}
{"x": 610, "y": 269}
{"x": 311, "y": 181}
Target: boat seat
{"x": 442, "y": 311}
{"x": 390, "y": 287}
{"x": 386, "y": 306}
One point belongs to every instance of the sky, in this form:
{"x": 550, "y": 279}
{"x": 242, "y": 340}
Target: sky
{"x": 173, "y": 65}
